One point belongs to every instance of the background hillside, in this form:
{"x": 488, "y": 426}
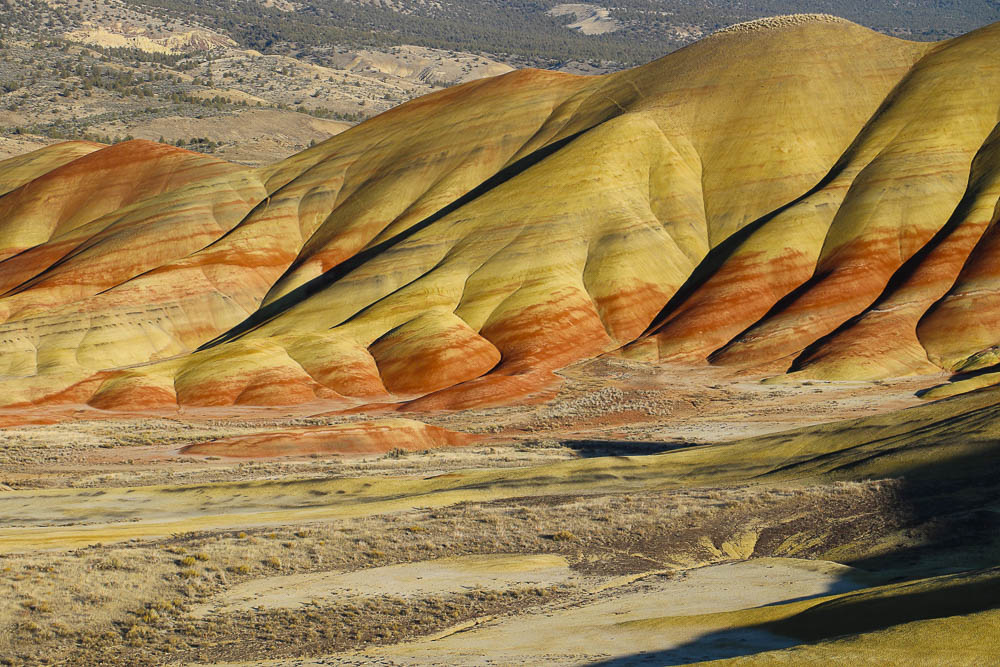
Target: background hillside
{"x": 297, "y": 72}
{"x": 635, "y": 31}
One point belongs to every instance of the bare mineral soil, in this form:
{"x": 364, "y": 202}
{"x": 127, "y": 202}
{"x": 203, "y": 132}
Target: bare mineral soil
{"x": 602, "y": 407}
{"x": 546, "y": 540}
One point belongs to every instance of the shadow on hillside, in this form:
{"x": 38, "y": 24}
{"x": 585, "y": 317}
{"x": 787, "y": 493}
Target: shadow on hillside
{"x": 713, "y": 646}
{"x": 945, "y": 514}
{"x": 596, "y": 448}
{"x": 958, "y": 377}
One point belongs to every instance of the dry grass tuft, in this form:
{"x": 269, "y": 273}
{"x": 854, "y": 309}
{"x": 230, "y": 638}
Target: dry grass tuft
{"x": 564, "y": 536}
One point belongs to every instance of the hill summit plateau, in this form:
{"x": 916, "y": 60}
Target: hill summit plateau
{"x": 799, "y": 193}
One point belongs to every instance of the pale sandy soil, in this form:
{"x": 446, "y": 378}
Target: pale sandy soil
{"x": 599, "y": 625}
{"x": 12, "y": 146}
{"x": 433, "y": 577}
{"x": 256, "y": 137}
{"x": 590, "y": 19}
{"x": 598, "y": 631}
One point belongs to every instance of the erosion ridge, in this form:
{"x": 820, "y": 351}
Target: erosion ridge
{"x": 813, "y": 195}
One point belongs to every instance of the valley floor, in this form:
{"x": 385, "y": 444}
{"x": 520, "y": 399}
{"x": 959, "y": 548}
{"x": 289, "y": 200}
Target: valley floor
{"x": 609, "y": 523}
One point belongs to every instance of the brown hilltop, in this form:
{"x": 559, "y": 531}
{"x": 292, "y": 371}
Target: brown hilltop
{"x": 802, "y": 191}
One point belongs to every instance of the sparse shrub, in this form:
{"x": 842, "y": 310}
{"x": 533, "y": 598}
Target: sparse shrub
{"x": 162, "y": 605}
{"x": 39, "y": 606}
{"x": 137, "y": 635}
{"x": 111, "y": 564}
{"x": 564, "y": 536}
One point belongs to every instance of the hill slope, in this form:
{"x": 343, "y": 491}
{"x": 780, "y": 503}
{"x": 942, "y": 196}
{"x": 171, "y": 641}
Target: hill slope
{"x": 783, "y": 192}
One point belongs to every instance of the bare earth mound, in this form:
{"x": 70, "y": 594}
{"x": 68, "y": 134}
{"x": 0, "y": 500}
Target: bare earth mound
{"x": 373, "y": 437}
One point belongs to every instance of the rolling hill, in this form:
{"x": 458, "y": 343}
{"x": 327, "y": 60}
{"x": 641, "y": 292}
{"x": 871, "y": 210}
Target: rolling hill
{"x": 798, "y": 193}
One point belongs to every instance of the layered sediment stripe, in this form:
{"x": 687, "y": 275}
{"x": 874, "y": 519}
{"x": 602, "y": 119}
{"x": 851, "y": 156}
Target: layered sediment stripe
{"x": 100, "y": 182}
{"x": 896, "y": 204}
{"x": 883, "y": 342}
{"x": 743, "y": 198}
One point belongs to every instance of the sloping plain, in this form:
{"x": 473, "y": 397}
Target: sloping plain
{"x": 918, "y": 566}
{"x": 800, "y": 192}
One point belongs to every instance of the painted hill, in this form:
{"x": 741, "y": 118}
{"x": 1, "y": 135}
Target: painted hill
{"x": 801, "y": 192}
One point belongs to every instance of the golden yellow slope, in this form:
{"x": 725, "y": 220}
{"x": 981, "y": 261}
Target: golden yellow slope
{"x": 746, "y": 196}
{"x": 805, "y": 270}
{"x": 597, "y": 215}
